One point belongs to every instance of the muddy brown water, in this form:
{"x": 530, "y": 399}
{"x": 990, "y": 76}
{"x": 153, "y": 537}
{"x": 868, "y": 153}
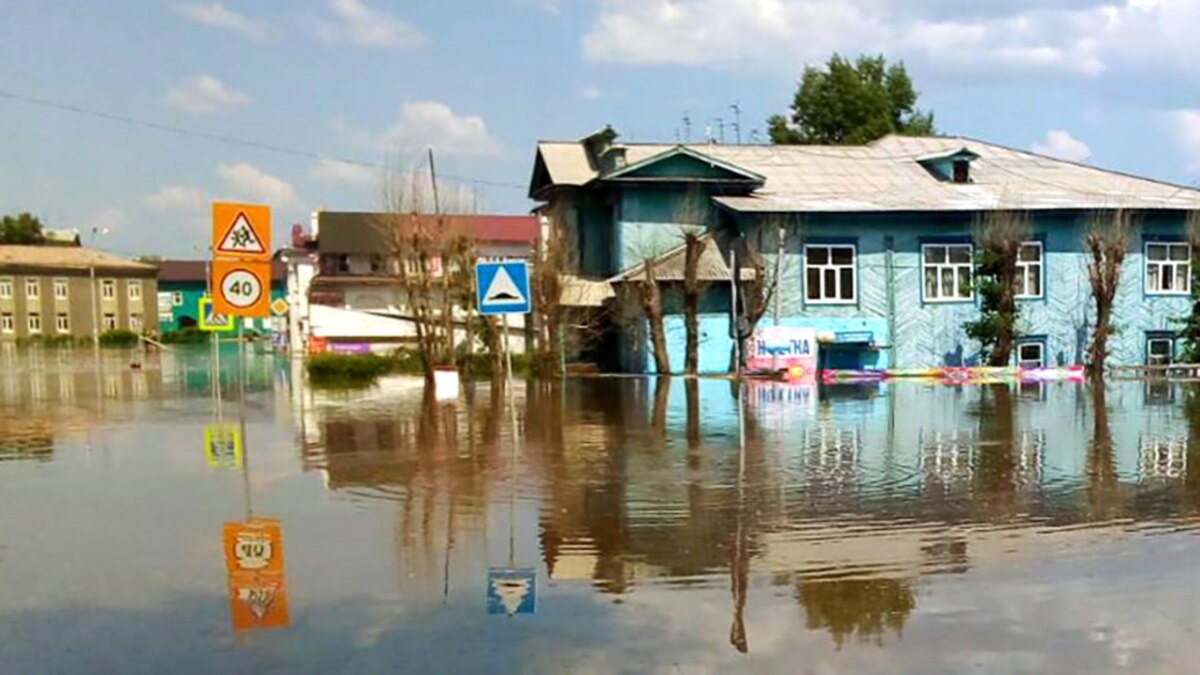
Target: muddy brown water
{"x": 631, "y": 525}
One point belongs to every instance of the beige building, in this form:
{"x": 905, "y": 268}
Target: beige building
{"x": 50, "y": 291}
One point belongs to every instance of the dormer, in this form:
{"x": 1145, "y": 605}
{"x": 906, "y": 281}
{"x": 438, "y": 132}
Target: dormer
{"x": 952, "y": 167}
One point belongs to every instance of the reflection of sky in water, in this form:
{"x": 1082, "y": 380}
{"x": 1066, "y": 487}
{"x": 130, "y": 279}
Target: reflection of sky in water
{"x": 894, "y": 528}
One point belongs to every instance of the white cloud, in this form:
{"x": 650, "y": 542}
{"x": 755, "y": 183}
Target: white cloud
{"x": 591, "y": 93}
{"x": 333, "y": 171}
{"x": 430, "y": 124}
{"x": 357, "y": 24}
{"x": 176, "y": 198}
{"x": 1079, "y": 38}
{"x": 1187, "y": 130}
{"x": 204, "y": 94}
{"x": 1062, "y": 145}
{"x": 250, "y": 182}
{"x": 217, "y": 15}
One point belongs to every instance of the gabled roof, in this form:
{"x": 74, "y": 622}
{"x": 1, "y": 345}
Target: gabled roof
{"x": 734, "y": 172}
{"x": 670, "y": 266}
{"x": 887, "y": 175}
{"x": 68, "y": 258}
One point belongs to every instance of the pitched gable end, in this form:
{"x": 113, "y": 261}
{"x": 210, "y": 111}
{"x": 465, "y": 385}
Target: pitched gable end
{"x": 682, "y": 163}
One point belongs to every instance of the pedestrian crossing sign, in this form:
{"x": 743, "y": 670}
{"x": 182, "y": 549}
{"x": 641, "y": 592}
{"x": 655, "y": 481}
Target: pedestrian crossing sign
{"x": 213, "y": 322}
{"x": 502, "y": 287}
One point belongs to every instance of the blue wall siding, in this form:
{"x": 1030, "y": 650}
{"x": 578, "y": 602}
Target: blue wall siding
{"x": 648, "y": 223}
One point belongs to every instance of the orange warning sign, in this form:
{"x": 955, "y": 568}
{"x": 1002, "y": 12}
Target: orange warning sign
{"x": 242, "y": 288}
{"x": 258, "y": 601}
{"x": 241, "y": 231}
{"x": 254, "y": 546}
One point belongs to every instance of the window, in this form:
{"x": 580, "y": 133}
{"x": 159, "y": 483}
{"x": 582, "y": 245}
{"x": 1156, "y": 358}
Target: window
{"x": 35, "y": 323}
{"x": 1168, "y": 268}
{"x": 135, "y": 323}
{"x": 7, "y": 324}
{"x": 62, "y": 323}
{"x": 108, "y": 289}
{"x": 1031, "y": 354}
{"x": 6, "y": 288}
{"x": 135, "y": 289}
{"x": 1160, "y": 351}
{"x": 829, "y": 274}
{"x": 948, "y": 270}
{"x": 33, "y": 289}
{"x": 1029, "y": 270}
{"x": 60, "y": 289}
{"x": 110, "y": 321}
{"x": 177, "y": 299}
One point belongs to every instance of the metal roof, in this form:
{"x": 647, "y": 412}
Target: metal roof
{"x": 887, "y": 175}
{"x": 670, "y": 266}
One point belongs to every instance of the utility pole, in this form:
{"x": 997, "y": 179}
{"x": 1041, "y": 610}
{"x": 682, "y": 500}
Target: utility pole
{"x": 687, "y": 127}
{"x": 720, "y": 129}
{"x": 437, "y": 208}
{"x": 737, "y": 121}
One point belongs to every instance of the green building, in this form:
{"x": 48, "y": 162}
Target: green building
{"x": 181, "y": 284}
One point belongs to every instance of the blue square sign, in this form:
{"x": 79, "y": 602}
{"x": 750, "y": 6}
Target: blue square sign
{"x": 511, "y": 591}
{"x": 502, "y": 287}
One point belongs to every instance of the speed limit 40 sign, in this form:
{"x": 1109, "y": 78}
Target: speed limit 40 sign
{"x": 242, "y": 288}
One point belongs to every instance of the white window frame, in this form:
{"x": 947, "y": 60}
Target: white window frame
{"x": 829, "y": 266}
{"x": 62, "y": 322}
{"x": 177, "y": 299}
{"x": 36, "y": 285}
{"x": 1175, "y": 265}
{"x": 969, "y": 265}
{"x": 8, "y": 323}
{"x": 62, "y": 285}
{"x": 135, "y": 323}
{"x": 34, "y": 322}
{"x": 6, "y": 288}
{"x": 132, "y": 285}
{"x": 1150, "y": 352}
{"x": 108, "y": 289}
{"x": 109, "y": 321}
{"x": 1023, "y": 272}
{"x": 1028, "y": 363}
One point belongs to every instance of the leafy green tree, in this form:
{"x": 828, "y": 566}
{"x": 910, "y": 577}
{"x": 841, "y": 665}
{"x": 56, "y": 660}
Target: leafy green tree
{"x": 23, "y": 228}
{"x": 999, "y": 237}
{"x": 851, "y": 103}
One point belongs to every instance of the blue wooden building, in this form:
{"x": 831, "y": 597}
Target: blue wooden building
{"x": 874, "y": 243}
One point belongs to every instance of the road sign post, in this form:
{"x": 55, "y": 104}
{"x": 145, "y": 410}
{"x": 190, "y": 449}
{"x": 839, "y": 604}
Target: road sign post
{"x": 502, "y": 288}
{"x": 241, "y": 269}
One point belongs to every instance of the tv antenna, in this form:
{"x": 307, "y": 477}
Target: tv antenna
{"x": 687, "y": 127}
{"x": 737, "y": 121}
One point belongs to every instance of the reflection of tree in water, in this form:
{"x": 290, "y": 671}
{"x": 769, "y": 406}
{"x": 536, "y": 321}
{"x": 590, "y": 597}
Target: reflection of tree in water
{"x": 1103, "y": 488}
{"x": 861, "y": 607}
{"x": 996, "y": 466}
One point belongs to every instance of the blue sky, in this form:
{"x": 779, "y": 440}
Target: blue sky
{"x": 376, "y": 81}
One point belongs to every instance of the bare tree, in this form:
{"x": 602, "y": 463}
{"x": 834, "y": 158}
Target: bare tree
{"x": 554, "y": 258}
{"x": 1106, "y": 239}
{"x": 758, "y": 278}
{"x": 650, "y": 294}
{"x": 694, "y": 217}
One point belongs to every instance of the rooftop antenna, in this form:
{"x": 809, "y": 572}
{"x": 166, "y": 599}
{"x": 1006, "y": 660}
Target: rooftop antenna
{"x": 737, "y": 121}
{"x": 720, "y": 129}
{"x": 687, "y": 127}
{"x": 754, "y": 136}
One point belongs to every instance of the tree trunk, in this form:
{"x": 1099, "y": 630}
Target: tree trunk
{"x": 653, "y": 309}
{"x": 691, "y": 302}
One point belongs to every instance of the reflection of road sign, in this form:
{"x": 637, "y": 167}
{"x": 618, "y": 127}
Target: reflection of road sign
{"x": 223, "y": 445}
{"x": 254, "y": 546}
{"x": 511, "y": 591}
{"x": 242, "y": 288}
{"x": 258, "y": 601}
{"x": 241, "y": 231}
{"x": 502, "y": 287}
{"x": 279, "y": 306}
{"x": 211, "y": 321}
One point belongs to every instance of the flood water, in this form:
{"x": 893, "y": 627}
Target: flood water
{"x": 630, "y": 525}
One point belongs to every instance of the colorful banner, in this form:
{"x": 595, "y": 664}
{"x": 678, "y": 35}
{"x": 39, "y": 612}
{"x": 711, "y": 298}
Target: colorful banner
{"x": 783, "y": 349}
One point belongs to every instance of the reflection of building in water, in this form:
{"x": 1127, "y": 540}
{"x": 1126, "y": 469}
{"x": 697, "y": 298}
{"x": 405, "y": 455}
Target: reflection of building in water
{"x": 1162, "y": 458}
{"x": 947, "y": 457}
{"x": 831, "y": 456}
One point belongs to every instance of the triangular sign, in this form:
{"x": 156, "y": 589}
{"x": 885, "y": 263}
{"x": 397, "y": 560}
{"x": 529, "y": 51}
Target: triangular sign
{"x": 241, "y": 238}
{"x": 502, "y": 290}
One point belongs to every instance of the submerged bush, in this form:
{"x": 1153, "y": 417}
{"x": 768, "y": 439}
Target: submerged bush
{"x": 347, "y": 368}
{"x": 183, "y": 336}
{"x": 119, "y": 337}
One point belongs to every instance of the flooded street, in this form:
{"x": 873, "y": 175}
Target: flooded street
{"x": 630, "y": 525}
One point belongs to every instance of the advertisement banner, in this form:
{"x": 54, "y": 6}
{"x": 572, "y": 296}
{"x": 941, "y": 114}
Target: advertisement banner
{"x": 781, "y": 348}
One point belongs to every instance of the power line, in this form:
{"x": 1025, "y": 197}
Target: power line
{"x": 221, "y": 138}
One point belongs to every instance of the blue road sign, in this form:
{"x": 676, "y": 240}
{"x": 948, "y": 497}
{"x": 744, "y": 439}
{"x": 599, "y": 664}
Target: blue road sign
{"x": 502, "y": 287}
{"x": 511, "y": 591}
